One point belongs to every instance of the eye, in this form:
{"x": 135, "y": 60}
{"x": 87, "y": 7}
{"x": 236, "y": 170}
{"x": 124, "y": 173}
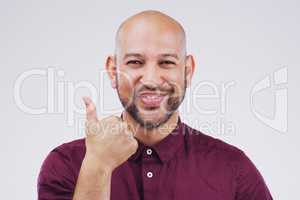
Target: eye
{"x": 167, "y": 62}
{"x": 134, "y": 62}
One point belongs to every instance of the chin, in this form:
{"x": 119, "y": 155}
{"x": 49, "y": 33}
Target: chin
{"x": 153, "y": 121}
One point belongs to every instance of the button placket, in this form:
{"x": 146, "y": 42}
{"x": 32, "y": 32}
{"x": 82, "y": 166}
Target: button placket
{"x": 150, "y": 173}
{"x": 149, "y": 152}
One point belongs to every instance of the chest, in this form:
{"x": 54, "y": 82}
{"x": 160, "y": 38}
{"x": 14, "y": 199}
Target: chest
{"x": 176, "y": 180}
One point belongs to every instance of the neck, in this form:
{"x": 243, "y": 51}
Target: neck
{"x": 151, "y": 136}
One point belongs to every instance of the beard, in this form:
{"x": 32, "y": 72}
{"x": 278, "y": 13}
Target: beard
{"x": 174, "y": 99}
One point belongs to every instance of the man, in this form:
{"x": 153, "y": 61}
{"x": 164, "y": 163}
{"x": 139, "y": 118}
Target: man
{"x": 148, "y": 152}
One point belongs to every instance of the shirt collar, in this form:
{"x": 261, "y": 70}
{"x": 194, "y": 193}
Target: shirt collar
{"x": 166, "y": 148}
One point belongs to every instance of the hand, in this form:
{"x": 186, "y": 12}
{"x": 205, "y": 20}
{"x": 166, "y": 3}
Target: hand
{"x": 109, "y": 142}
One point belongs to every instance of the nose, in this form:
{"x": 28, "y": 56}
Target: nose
{"x": 152, "y": 76}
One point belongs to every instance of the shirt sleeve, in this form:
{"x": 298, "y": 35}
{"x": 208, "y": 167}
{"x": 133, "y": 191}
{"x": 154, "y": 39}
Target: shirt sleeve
{"x": 250, "y": 183}
{"x": 56, "y": 179}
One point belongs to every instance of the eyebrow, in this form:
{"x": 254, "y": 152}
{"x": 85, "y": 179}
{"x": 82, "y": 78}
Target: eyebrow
{"x": 133, "y": 55}
{"x": 160, "y": 55}
{"x": 174, "y": 55}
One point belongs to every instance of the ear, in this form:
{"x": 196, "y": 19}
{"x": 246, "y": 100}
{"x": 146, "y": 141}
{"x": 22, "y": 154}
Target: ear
{"x": 111, "y": 70}
{"x": 190, "y": 68}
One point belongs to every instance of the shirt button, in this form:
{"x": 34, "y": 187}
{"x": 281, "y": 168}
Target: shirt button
{"x": 149, "y": 174}
{"x": 149, "y": 152}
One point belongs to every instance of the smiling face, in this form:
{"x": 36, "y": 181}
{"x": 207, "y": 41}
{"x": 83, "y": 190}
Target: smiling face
{"x": 150, "y": 69}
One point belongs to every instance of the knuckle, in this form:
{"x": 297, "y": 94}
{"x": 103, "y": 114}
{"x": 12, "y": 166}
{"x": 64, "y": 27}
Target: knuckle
{"x": 110, "y": 119}
{"x": 123, "y": 126}
{"x": 114, "y": 118}
{"x": 105, "y": 119}
{"x": 92, "y": 127}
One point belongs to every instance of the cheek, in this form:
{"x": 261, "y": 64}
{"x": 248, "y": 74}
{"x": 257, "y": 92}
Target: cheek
{"x": 126, "y": 84}
{"x": 176, "y": 80}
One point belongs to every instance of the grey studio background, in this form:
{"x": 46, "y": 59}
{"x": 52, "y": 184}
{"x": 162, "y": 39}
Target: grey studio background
{"x": 244, "y": 91}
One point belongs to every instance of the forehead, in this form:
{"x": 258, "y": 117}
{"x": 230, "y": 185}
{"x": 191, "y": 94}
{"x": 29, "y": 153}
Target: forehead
{"x": 150, "y": 40}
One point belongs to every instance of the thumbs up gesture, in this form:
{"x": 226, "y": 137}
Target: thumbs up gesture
{"x": 109, "y": 141}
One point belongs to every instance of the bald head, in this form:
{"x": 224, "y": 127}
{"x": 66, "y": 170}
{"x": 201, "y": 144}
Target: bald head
{"x": 150, "y": 26}
{"x": 150, "y": 56}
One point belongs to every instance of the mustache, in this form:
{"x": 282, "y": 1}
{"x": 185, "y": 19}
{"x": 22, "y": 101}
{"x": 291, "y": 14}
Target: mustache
{"x": 157, "y": 88}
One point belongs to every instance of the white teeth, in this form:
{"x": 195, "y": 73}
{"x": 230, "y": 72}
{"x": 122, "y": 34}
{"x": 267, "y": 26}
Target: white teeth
{"x": 152, "y": 97}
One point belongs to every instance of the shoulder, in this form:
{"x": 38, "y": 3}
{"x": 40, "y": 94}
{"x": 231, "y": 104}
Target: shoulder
{"x": 65, "y": 158}
{"x": 201, "y": 142}
{"x": 59, "y": 171}
{"x": 75, "y": 148}
{"x": 214, "y": 151}
{"x": 221, "y": 156}
{"x": 72, "y": 152}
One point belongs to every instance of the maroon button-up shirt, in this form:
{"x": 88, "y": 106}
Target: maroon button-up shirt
{"x": 186, "y": 164}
